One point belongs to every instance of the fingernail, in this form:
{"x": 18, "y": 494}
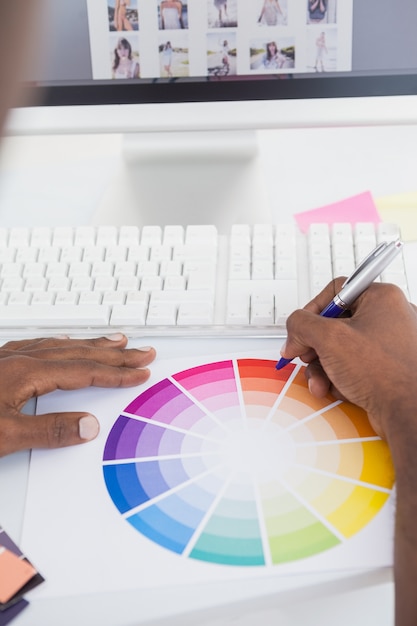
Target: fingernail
{"x": 145, "y": 348}
{"x": 88, "y": 427}
{"x": 115, "y": 337}
{"x": 284, "y": 345}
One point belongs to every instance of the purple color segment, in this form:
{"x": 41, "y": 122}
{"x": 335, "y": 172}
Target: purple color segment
{"x": 153, "y": 398}
{"x": 13, "y": 611}
{"x": 168, "y": 412}
{"x": 110, "y": 450}
{"x": 122, "y": 440}
{"x": 156, "y": 477}
{"x": 130, "y": 439}
{"x": 163, "y": 402}
{"x": 190, "y": 416}
{"x": 6, "y": 542}
{"x": 156, "y": 440}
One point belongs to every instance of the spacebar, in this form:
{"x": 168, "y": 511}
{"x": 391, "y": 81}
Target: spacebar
{"x": 54, "y": 315}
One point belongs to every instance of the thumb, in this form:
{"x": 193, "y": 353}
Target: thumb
{"x": 306, "y": 332}
{"x": 52, "y": 430}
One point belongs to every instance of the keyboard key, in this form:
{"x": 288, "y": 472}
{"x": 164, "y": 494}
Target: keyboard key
{"x": 62, "y": 236}
{"x": 151, "y": 235}
{"x": 66, "y": 297}
{"x": 161, "y": 253}
{"x": 115, "y": 253}
{"x": 238, "y": 310}
{"x": 285, "y": 269}
{"x": 35, "y": 283}
{"x": 170, "y": 268}
{"x": 56, "y": 316}
{"x": 113, "y": 297}
{"x": 239, "y": 270}
{"x": 151, "y": 283}
{"x": 240, "y": 251}
{"x": 173, "y": 235}
{"x": 133, "y": 314}
{"x": 107, "y": 236}
{"x": 194, "y": 251}
{"x": 387, "y": 232}
{"x": 286, "y": 300}
{"x": 263, "y": 234}
{"x": 18, "y": 298}
{"x": 190, "y": 313}
{"x": 85, "y": 236}
{"x": 262, "y": 309}
{"x": 161, "y": 313}
{"x": 204, "y": 234}
{"x": 127, "y": 283}
{"x": 262, "y": 270}
{"x": 241, "y": 233}
{"x": 42, "y": 297}
{"x": 41, "y": 237}
{"x": 129, "y": 236}
{"x": 174, "y": 283}
{"x": 81, "y": 283}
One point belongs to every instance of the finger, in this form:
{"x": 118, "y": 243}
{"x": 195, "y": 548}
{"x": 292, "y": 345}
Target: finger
{"x": 115, "y": 340}
{"x": 118, "y": 357}
{"x": 55, "y": 430}
{"x": 317, "y": 379}
{"x": 25, "y": 344}
{"x": 73, "y": 352}
{"x": 306, "y": 333}
{"x": 68, "y": 375}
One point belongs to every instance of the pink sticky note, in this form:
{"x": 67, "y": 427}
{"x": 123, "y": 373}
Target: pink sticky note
{"x": 359, "y": 208}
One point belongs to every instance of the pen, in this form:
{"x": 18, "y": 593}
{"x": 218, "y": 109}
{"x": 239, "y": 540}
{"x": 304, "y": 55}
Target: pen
{"x": 362, "y": 277}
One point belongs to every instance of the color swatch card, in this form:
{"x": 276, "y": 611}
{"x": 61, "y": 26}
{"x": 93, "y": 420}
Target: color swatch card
{"x": 8, "y": 615}
{"x": 14, "y": 574}
{"x": 217, "y": 468}
{"x": 17, "y": 576}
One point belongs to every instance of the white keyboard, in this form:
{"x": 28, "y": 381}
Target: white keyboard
{"x": 174, "y": 280}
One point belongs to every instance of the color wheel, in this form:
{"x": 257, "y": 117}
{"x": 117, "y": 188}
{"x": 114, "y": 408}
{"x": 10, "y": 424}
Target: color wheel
{"x": 235, "y": 463}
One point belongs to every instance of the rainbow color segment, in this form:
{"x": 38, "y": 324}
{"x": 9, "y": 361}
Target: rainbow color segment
{"x": 236, "y": 463}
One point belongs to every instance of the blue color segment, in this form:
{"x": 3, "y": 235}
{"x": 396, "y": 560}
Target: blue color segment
{"x": 123, "y": 486}
{"x": 158, "y": 527}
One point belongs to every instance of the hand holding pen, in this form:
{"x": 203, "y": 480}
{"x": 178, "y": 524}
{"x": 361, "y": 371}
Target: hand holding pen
{"x": 362, "y": 277}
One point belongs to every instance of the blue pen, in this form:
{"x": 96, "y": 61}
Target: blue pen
{"x": 363, "y": 276}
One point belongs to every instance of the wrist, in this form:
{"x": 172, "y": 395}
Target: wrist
{"x": 400, "y": 431}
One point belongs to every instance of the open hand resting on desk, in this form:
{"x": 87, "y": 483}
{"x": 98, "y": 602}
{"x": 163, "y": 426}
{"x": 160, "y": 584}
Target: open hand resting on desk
{"x": 370, "y": 358}
{"x": 31, "y": 368}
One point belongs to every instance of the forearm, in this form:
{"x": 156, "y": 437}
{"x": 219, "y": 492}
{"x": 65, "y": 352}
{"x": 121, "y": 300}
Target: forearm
{"x": 19, "y": 22}
{"x": 404, "y": 453}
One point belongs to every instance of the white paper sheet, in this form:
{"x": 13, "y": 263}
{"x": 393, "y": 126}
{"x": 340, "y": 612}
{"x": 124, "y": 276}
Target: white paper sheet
{"x": 82, "y": 543}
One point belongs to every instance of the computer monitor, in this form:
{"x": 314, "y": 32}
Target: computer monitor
{"x": 164, "y": 68}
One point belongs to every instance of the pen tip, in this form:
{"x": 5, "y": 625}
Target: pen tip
{"x": 282, "y": 363}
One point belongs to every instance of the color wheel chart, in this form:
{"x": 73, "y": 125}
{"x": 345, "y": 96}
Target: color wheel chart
{"x": 235, "y": 463}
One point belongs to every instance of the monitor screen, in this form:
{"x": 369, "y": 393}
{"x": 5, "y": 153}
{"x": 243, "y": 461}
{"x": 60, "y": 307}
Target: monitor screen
{"x": 272, "y": 53}
{"x": 129, "y": 51}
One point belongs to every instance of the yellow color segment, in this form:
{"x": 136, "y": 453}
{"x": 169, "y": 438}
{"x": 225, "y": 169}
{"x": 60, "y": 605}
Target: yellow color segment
{"x": 377, "y": 468}
{"x": 357, "y": 511}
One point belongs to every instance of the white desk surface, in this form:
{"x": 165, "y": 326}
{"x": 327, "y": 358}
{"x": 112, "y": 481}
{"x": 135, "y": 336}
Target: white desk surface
{"x": 65, "y": 180}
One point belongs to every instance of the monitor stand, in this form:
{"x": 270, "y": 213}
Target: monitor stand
{"x": 184, "y": 178}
